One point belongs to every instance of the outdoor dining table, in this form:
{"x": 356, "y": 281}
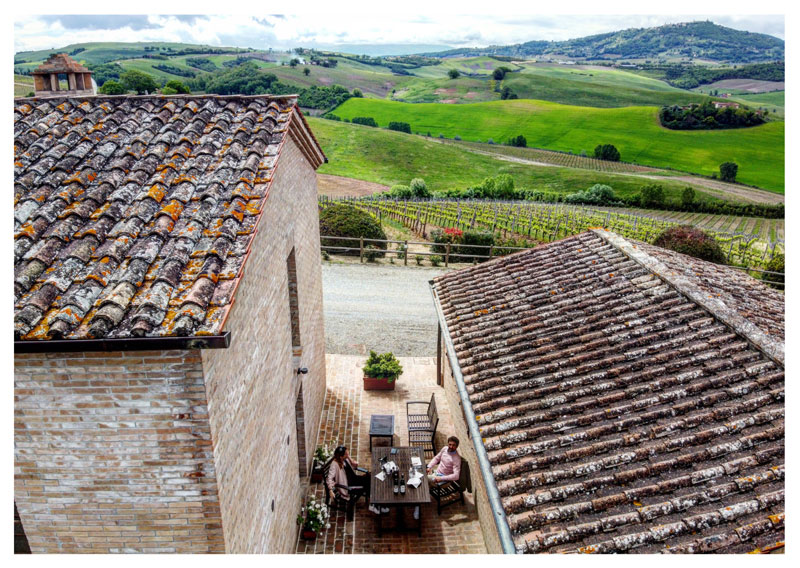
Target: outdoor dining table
{"x": 381, "y": 492}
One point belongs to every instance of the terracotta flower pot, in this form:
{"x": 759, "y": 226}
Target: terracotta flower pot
{"x": 371, "y": 383}
{"x": 309, "y": 534}
{"x": 316, "y": 472}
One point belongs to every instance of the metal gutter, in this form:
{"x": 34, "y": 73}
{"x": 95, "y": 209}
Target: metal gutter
{"x": 124, "y": 344}
{"x": 492, "y": 493}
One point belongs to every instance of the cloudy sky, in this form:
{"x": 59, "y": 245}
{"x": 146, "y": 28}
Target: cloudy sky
{"x": 350, "y": 25}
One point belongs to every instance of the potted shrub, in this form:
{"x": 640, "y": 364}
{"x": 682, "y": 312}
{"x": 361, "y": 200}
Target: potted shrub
{"x": 321, "y": 456}
{"x": 381, "y": 371}
{"x": 313, "y": 517}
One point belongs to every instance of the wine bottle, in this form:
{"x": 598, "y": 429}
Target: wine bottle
{"x": 402, "y": 485}
{"x": 396, "y": 488}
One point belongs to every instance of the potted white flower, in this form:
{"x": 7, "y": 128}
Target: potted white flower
{"x": 313, "y": 517}
{"x": 321, "y": 456}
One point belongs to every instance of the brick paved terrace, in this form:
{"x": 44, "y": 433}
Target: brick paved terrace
{"x": 345, "y": 418}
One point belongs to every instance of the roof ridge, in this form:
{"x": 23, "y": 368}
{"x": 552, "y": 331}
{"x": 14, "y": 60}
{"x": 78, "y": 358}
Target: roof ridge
{"x": 772, "y": 348}
{"x": 159, "y": 96}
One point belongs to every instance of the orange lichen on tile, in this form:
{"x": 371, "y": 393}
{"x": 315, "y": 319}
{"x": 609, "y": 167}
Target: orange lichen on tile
{"x": 156, "y": 193}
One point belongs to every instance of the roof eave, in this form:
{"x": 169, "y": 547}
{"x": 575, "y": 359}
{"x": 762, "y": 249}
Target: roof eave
{"x": 302, "y": 135}
{"x": 492, "y": 493}
{"x": 222, "y": 341}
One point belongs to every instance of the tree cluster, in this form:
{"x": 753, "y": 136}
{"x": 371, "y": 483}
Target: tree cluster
{"x": 365, "y": 120}
{"x": 507, "y": 94}
{"x": 706, "y": 117}
{"x": 607, "y": 152}
{"x": 203, "y": 63}
{"x": 105, "y": 71}
{"x": 173, "y": 70}
{"x": 598, "y": 194}
{"x": 499, "y": 73}
{"x": 519, "y": 141}
{"x": 728, "y": 171}
{"x": 400, "y": 126}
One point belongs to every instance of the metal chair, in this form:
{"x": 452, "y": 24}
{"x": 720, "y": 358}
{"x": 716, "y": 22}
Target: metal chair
{"x": 353, "y": 490}
{"x": 422, "y": 427}
{"x": 452, "y": 491}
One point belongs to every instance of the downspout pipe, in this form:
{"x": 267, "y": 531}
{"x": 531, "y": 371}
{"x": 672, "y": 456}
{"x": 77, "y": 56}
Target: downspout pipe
{"x": 499, "y": 514}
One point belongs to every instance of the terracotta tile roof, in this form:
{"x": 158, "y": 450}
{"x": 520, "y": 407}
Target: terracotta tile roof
{"x": 133, "y": 216}
{"x": 618, "y": 412}
{"x": 60, "y": 63}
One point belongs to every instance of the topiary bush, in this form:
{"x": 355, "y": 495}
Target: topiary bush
{"x": 776, "y": 264}
{"x": 691, "y": 241}
{"x": 347, "y": 221}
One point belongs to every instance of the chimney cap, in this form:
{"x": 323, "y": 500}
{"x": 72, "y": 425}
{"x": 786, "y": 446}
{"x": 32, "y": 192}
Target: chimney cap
{"x": 60, "y": 63}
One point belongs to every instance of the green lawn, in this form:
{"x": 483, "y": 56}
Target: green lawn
{"x": 468, "y": 66}
{"x": 387, "y": 157}
{"x": 635, "y": 131}
{"x": 774, "y": 102}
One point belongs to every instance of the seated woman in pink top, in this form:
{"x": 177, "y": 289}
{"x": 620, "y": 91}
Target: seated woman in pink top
{"x": 449, "y": 463}
{"x": 343, "y": 472}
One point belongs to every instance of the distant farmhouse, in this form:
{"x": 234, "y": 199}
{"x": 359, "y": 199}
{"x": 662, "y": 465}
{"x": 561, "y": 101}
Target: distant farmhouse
{"x": 169, "y": 351}
{"x": 723, "y": 104}
{"x": 619, "y": 398}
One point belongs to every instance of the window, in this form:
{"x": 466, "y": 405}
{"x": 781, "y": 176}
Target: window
{"x": 294, "y": 303}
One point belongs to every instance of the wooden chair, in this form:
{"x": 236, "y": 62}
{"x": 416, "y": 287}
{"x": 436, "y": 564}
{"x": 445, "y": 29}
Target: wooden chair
{"x": 353, "y": 490}
{"x": 422, "y": 426}
{"x": 452, "y": 491}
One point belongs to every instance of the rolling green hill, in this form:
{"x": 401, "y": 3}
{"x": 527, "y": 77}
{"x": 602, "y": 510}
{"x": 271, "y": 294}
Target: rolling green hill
{"x": 105, "y": 52}
{"x": 689, "y": 40}
{"x": 577, "y": 85}
{"x": 387, "y": 157}
{"x": 635, "y": 131}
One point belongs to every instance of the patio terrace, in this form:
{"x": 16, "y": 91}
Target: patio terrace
{"x": 345, "y": 419}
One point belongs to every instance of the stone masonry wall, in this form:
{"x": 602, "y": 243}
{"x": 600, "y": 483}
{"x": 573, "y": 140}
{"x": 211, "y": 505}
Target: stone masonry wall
{"x": 467, "y": 451}
{"x": 113, "y": 453}
{"x": 253, "y": 385}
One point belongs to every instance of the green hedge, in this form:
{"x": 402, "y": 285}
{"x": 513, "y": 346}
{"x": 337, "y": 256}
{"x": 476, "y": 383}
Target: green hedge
{"x": 347, "y": 221}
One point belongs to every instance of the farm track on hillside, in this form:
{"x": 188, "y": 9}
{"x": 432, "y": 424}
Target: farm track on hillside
{"x": 557, "y": 159}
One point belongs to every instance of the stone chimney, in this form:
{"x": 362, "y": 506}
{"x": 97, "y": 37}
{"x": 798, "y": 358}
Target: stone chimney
{"x": 46, "y": 77}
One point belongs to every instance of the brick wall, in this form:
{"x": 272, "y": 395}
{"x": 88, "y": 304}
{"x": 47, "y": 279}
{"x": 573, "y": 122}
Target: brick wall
{"x": 113, "y": 453}
{"x": 253, "y": 385}
{"x": 467, "y": 450}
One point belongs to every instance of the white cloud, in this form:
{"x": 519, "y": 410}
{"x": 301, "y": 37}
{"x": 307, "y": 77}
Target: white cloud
{"x": 351, "y": 26}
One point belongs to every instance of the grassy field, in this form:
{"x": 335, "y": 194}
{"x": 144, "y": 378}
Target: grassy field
{"x": 774, "y": 102}
{"x": 23, "y": 85}
{"x": 103, "y": 52}
{"x": 594, "y": 86}
{"x": 635, "y": 131}
{"x": 388, "y": 158}
{"x": 468, "y": 66}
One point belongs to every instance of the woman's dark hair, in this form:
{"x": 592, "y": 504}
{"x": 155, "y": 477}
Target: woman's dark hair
{"x": 338, "y": 453}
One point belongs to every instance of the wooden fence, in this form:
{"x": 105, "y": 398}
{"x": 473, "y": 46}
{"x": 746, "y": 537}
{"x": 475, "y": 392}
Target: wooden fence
{"x": 452, "y": 253}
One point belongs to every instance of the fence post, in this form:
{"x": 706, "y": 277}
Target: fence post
{"x": 447, "y": 255}
{"x": 491, "y": 251}
{"x": 405, "y": 256}
{"x": 361, "y": 249}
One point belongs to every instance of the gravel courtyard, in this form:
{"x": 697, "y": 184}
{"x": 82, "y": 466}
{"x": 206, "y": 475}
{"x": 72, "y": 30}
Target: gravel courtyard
{"x": 380, "y": 307}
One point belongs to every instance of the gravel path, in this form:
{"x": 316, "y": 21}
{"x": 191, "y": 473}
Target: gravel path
{"x": 385, "y": 308}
